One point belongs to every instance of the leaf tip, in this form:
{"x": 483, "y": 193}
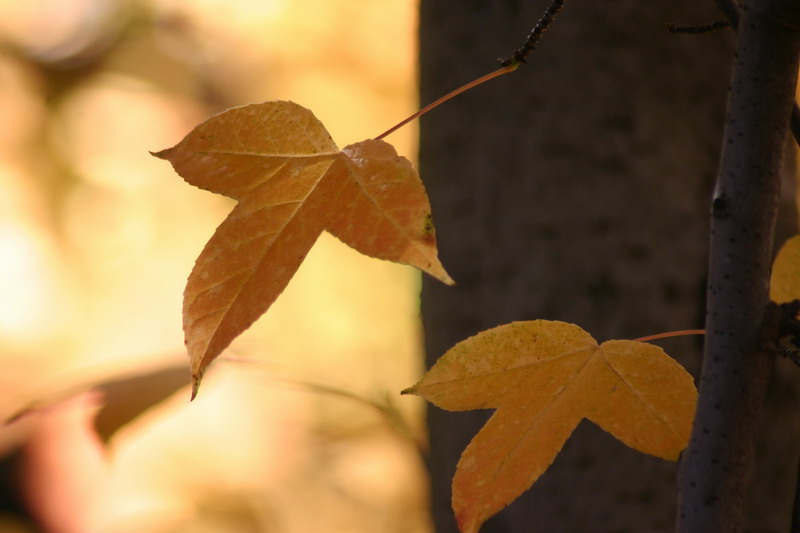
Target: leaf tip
{"x": 196, "y": 379}
{"x": 436, "y": 269}
{"x": 409, "y": 390}
{"x": 466, "y": 522}
{"x": 162, "y": 154}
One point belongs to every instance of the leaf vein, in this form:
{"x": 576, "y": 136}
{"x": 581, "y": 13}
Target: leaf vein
{"x": 657, "y": 414}
{"x": 555, "y": 398}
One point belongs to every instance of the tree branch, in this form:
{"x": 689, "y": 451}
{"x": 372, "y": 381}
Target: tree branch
{"x": 741, "y": 325}
{"x": 730, "y": 8}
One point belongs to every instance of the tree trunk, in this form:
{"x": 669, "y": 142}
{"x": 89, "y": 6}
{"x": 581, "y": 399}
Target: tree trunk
{"x": 574, "y": 189}
{"x": 741, "y": 333}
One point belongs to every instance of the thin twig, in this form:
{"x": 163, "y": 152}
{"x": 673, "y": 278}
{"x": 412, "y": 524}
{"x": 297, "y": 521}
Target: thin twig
{"x": 521, "y": 54}
{"x": 705, "y": 28}
{"x": 385, "y": 408}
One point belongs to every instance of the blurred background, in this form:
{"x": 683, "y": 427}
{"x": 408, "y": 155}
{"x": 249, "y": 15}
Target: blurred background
{"x": 300, "y": 426}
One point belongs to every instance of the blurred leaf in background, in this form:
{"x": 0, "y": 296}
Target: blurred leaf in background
{"x": 97, "y": 238}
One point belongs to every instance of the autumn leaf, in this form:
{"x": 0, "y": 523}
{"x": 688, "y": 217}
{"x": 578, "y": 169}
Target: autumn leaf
{"x": 543, "y": 378}
{"x": 784, "y": 284}
{"x": 291, "y": 183}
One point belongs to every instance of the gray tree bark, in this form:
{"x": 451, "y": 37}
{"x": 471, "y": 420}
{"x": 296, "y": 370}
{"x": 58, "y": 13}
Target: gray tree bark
{"x": 575, "y": 189}
{"x": 741, "y": 333}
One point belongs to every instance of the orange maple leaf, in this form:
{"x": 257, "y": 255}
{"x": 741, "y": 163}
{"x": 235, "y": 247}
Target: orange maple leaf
{"x": 291, "y": 183}
{"x": 543, "y": 378}
{"x": 784, "y": 283}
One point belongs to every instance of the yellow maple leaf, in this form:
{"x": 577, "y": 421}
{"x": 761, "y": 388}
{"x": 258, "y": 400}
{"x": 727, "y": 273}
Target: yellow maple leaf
{"x": 784, "y": 283}
{"x": 544, "y": 377}
{"x": 291, "y": 183}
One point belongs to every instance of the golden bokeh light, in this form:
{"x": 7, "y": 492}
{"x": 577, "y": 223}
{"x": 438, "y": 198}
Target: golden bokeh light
{"x": 299, "y": 427}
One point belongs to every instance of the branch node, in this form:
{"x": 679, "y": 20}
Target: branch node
{"x": 789, "y": 340}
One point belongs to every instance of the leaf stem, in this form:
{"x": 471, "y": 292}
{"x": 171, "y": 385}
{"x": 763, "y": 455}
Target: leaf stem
{"x": 474, "y": 83}
{"x": 506, "y": 65}
{"x": 680, "y": 333}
